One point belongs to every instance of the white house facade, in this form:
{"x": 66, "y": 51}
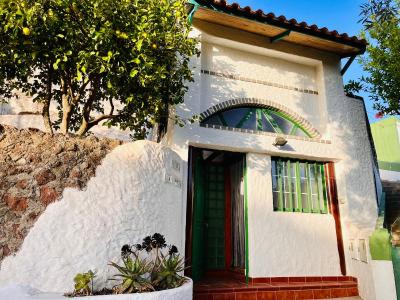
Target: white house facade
{"x": 274, "y": 184}
{"x": 245, "y": 87}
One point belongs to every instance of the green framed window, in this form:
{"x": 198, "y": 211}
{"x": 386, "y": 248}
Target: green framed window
{"x": 257, "y": 119}
{"x": 299, "y": 186}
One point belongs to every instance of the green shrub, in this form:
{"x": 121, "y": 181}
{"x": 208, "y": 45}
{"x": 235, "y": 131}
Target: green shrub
{"x": 146, "y": 267}
{"x": 84, "y": 283}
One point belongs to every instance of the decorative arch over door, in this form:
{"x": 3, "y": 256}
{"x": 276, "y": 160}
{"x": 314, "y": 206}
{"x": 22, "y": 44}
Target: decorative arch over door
{"x": 256, "y": 116}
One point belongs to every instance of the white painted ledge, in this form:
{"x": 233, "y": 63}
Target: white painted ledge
{"x": 389, "y": 175}
{"x": 19, "y": 292}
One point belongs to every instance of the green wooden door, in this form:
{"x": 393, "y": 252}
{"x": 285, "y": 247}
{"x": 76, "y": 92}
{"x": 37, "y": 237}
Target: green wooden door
{"x": 396, "y": 268}
{"x": 215, "y": 217}
{"x": 198, "y": 221}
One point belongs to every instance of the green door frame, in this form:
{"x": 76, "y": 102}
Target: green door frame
{"x": 193, "y": 156}
{"x": 246, "y": 218}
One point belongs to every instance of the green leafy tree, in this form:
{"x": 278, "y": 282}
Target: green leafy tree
{"x": 121, "y": 62}
{"x": 381, "y": 19}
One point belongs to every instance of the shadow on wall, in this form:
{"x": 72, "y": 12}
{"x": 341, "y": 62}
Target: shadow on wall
{"x": 345, "y": 116}
{"x": 347, "y": 127}
{"x": 258, "y": 67}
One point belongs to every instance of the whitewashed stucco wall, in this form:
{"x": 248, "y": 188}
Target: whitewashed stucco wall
{"x": 127, "y": 199}
{"x": 354, "y": 173}
{"x": 281, "y": 243}
{"x": 22, "y": 112}
{"x": 289, "y": 238}
{"x": 339, "y": 119}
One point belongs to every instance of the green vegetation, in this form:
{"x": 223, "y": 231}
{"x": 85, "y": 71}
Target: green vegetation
{"x": 84, "y": 283}
{"x": 122, "y": 62}
{"x": 381, "y": 19}
{"x": 149, "y": 266}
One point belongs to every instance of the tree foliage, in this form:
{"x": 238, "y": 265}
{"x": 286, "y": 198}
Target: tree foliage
{"x": 122, "y": 62}
{"x": 381, "y": 19}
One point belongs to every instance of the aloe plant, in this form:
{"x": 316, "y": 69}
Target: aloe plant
{"x": 167, "y": 275}
{"x": 134, "y": 274}
{"x": 160, "y": 271}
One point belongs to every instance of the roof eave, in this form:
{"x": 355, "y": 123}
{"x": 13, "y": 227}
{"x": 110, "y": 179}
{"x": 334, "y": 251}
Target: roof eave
{"x": 354, "y": 47}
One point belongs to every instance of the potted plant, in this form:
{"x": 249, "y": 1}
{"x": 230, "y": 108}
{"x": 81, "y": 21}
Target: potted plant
{"x": 148, "y": 267}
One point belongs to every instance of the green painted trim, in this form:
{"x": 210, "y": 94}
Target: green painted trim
{"x": 196, "y": 7}
{"x": 268, "y": 113}
{"x": 309, "y": 208}
{"x": 348, "y": 64}
{"x": 245, "y": 118}
{"x": 246, "y": 219}
{"x": 293, "y": 130}
{"x": 198, "y": 223}
{"x": 259, "y": 119}
{"x": 317, "y": 174}
{"x": 298, "y": 187}
{"x": 285, "y": 116}
{"x": 280, "y": 185}
{"x": 280, "y": 36}
{"x": 325, "y": 195}
{"x": 396, "y": 269}
{"x": 272, "y": 121}
{"x": 321, "y": 206}
{"x": 288, "y": 170}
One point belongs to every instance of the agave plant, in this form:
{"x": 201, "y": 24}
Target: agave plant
{"x": 166, "y": 276}
{"x": 161, "y": 270}
{"x": 134, "y": 274}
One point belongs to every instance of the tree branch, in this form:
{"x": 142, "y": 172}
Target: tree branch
{"x": 101, "y": 118}
{"x": 87, "y": 108}
{"x": 82, "y": 90}
{"x": 66, "y": 106}
{"x": 104, "y": 117}
{"x": 47, "y": 101}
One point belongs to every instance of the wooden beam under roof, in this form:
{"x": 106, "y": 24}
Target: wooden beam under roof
{"x": 271, "y": 31}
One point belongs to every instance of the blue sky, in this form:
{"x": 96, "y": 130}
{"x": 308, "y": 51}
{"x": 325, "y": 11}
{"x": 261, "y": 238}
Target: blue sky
{"x": 341, "y": 15}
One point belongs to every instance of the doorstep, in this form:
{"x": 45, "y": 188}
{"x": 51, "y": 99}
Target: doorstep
{"x": 281, "y": 288}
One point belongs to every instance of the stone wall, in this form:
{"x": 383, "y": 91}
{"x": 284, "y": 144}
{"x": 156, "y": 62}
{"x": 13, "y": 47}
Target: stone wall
{"x": 35, "y": 168}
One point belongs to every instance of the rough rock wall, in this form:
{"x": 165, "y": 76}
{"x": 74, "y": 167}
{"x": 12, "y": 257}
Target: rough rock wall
{"x": 35, "y": 168}
{"x": 136, "y": 192}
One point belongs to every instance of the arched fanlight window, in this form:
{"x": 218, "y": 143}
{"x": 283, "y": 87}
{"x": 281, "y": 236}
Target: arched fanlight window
{"x": 257, "y": 119}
